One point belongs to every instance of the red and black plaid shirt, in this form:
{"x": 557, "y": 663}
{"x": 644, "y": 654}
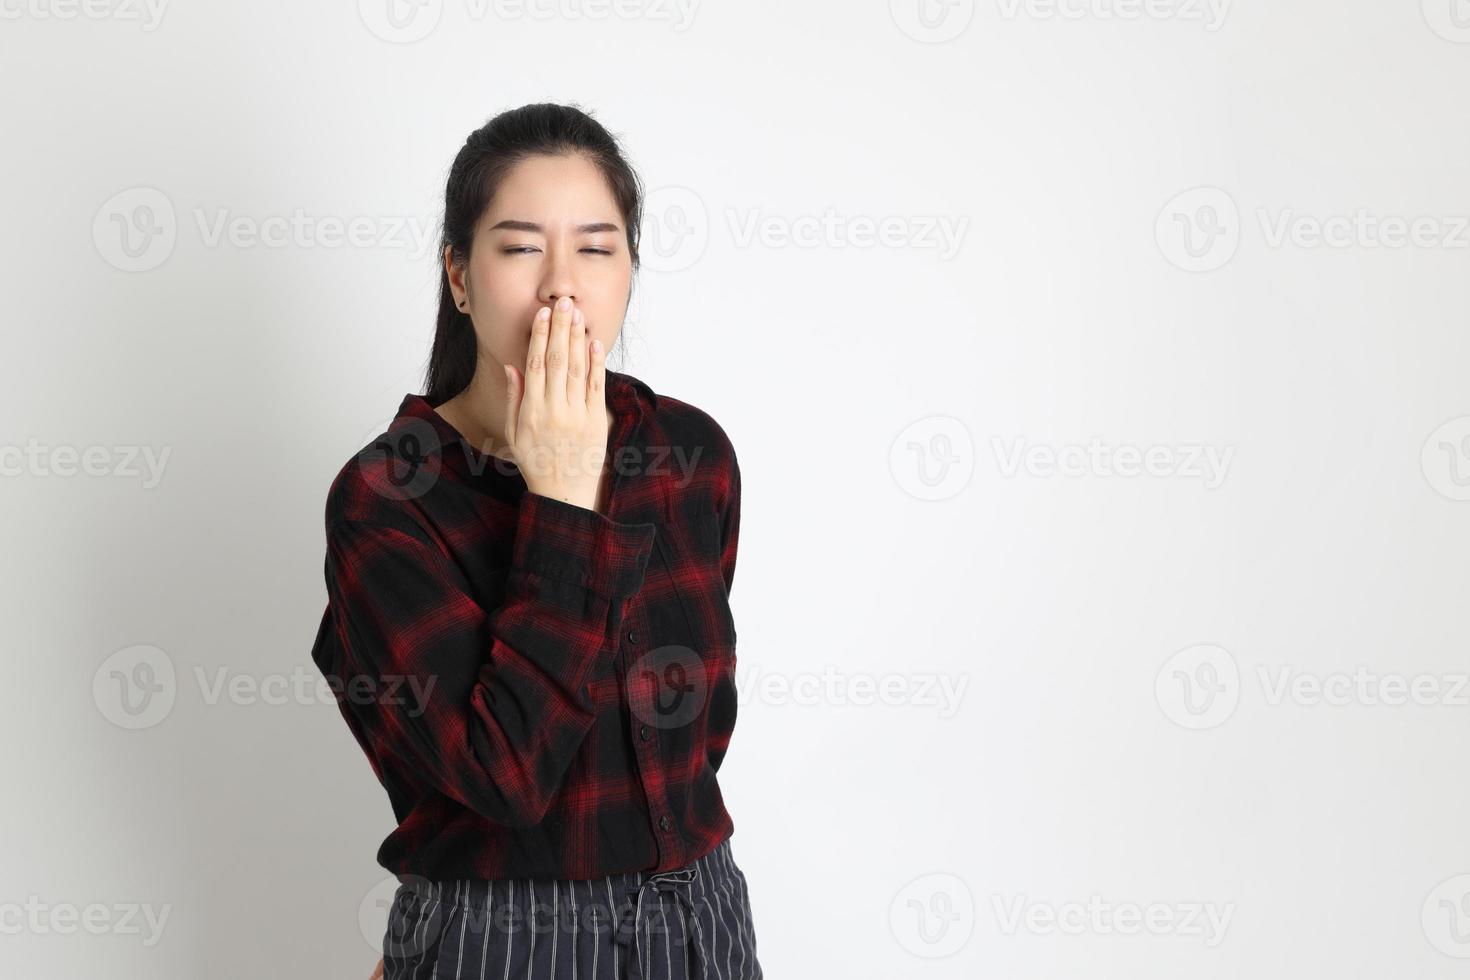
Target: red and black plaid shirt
{"x": 544, "y": 691}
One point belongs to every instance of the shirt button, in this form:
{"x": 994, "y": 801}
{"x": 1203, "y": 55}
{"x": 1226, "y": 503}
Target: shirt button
{"x": 645, "y": 732}
{"x": 663, "y": 821}
{"x": 632, "y": 636}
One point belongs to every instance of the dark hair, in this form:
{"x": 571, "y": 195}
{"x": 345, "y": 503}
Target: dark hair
{"x": 487, "y": 156}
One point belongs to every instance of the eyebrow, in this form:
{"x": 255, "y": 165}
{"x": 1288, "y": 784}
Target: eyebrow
{"x": 511, "y": 224}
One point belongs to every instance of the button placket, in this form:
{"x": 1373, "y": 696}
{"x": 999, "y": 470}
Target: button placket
{"x": 645, "y": 746}
{"x": 628, "y": 635}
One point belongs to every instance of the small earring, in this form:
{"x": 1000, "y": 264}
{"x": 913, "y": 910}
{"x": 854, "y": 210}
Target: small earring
{"x": 461, "y": 304}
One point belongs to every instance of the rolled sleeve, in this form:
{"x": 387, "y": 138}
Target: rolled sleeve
{"x": 573, "y": 544}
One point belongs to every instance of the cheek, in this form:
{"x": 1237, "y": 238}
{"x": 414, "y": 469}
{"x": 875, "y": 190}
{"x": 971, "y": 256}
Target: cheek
{"x": 611, "y": 305}
{"x": 604, "y": 324}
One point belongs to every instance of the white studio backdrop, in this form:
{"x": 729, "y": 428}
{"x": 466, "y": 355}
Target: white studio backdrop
{"x": 1098, "y": 374}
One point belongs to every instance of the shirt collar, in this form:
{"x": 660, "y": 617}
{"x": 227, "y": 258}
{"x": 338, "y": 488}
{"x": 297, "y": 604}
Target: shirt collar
{"x": 627, "y": 398}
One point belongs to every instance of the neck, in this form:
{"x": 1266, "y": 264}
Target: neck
{"x": 478, "y": 413}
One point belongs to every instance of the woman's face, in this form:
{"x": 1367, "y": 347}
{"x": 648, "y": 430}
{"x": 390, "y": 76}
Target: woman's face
{"x": 552, "y": 230}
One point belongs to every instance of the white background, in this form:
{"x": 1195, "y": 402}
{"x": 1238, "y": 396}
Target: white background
{"x": 1115, "y": 643}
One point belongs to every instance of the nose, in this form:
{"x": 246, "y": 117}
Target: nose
{"x": 556, "y": 280}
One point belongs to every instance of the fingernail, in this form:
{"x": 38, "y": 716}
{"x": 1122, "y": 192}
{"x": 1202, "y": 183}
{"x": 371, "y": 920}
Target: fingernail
{"x": 543, "y": 313}
{"x": 564, "y": 304}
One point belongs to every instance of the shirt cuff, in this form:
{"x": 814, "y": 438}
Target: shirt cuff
{"x": 563, "y": 541}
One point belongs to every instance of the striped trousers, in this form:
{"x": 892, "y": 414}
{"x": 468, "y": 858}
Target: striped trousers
{"x": 693, "y": 923}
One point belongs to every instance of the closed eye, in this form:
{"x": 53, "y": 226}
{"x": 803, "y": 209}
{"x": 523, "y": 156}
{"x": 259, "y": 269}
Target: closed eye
{"x": 522, "y": 249}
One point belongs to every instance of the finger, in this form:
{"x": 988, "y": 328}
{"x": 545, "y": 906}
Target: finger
{"x": 377, "y": 972}
{"x": 577, "y": 360}
{"x": 556, "y": 352}
{"x": 597, "y": 375}
{"x": 512, "y": 405}
{"x": 536, "y": 353}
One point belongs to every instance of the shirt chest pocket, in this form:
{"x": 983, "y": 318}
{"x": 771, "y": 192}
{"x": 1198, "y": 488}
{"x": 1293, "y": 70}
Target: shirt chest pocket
{"x": 691, "y": 550}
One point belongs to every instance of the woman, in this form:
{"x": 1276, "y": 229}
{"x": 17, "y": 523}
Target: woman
{"x": 528, "y": 628}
